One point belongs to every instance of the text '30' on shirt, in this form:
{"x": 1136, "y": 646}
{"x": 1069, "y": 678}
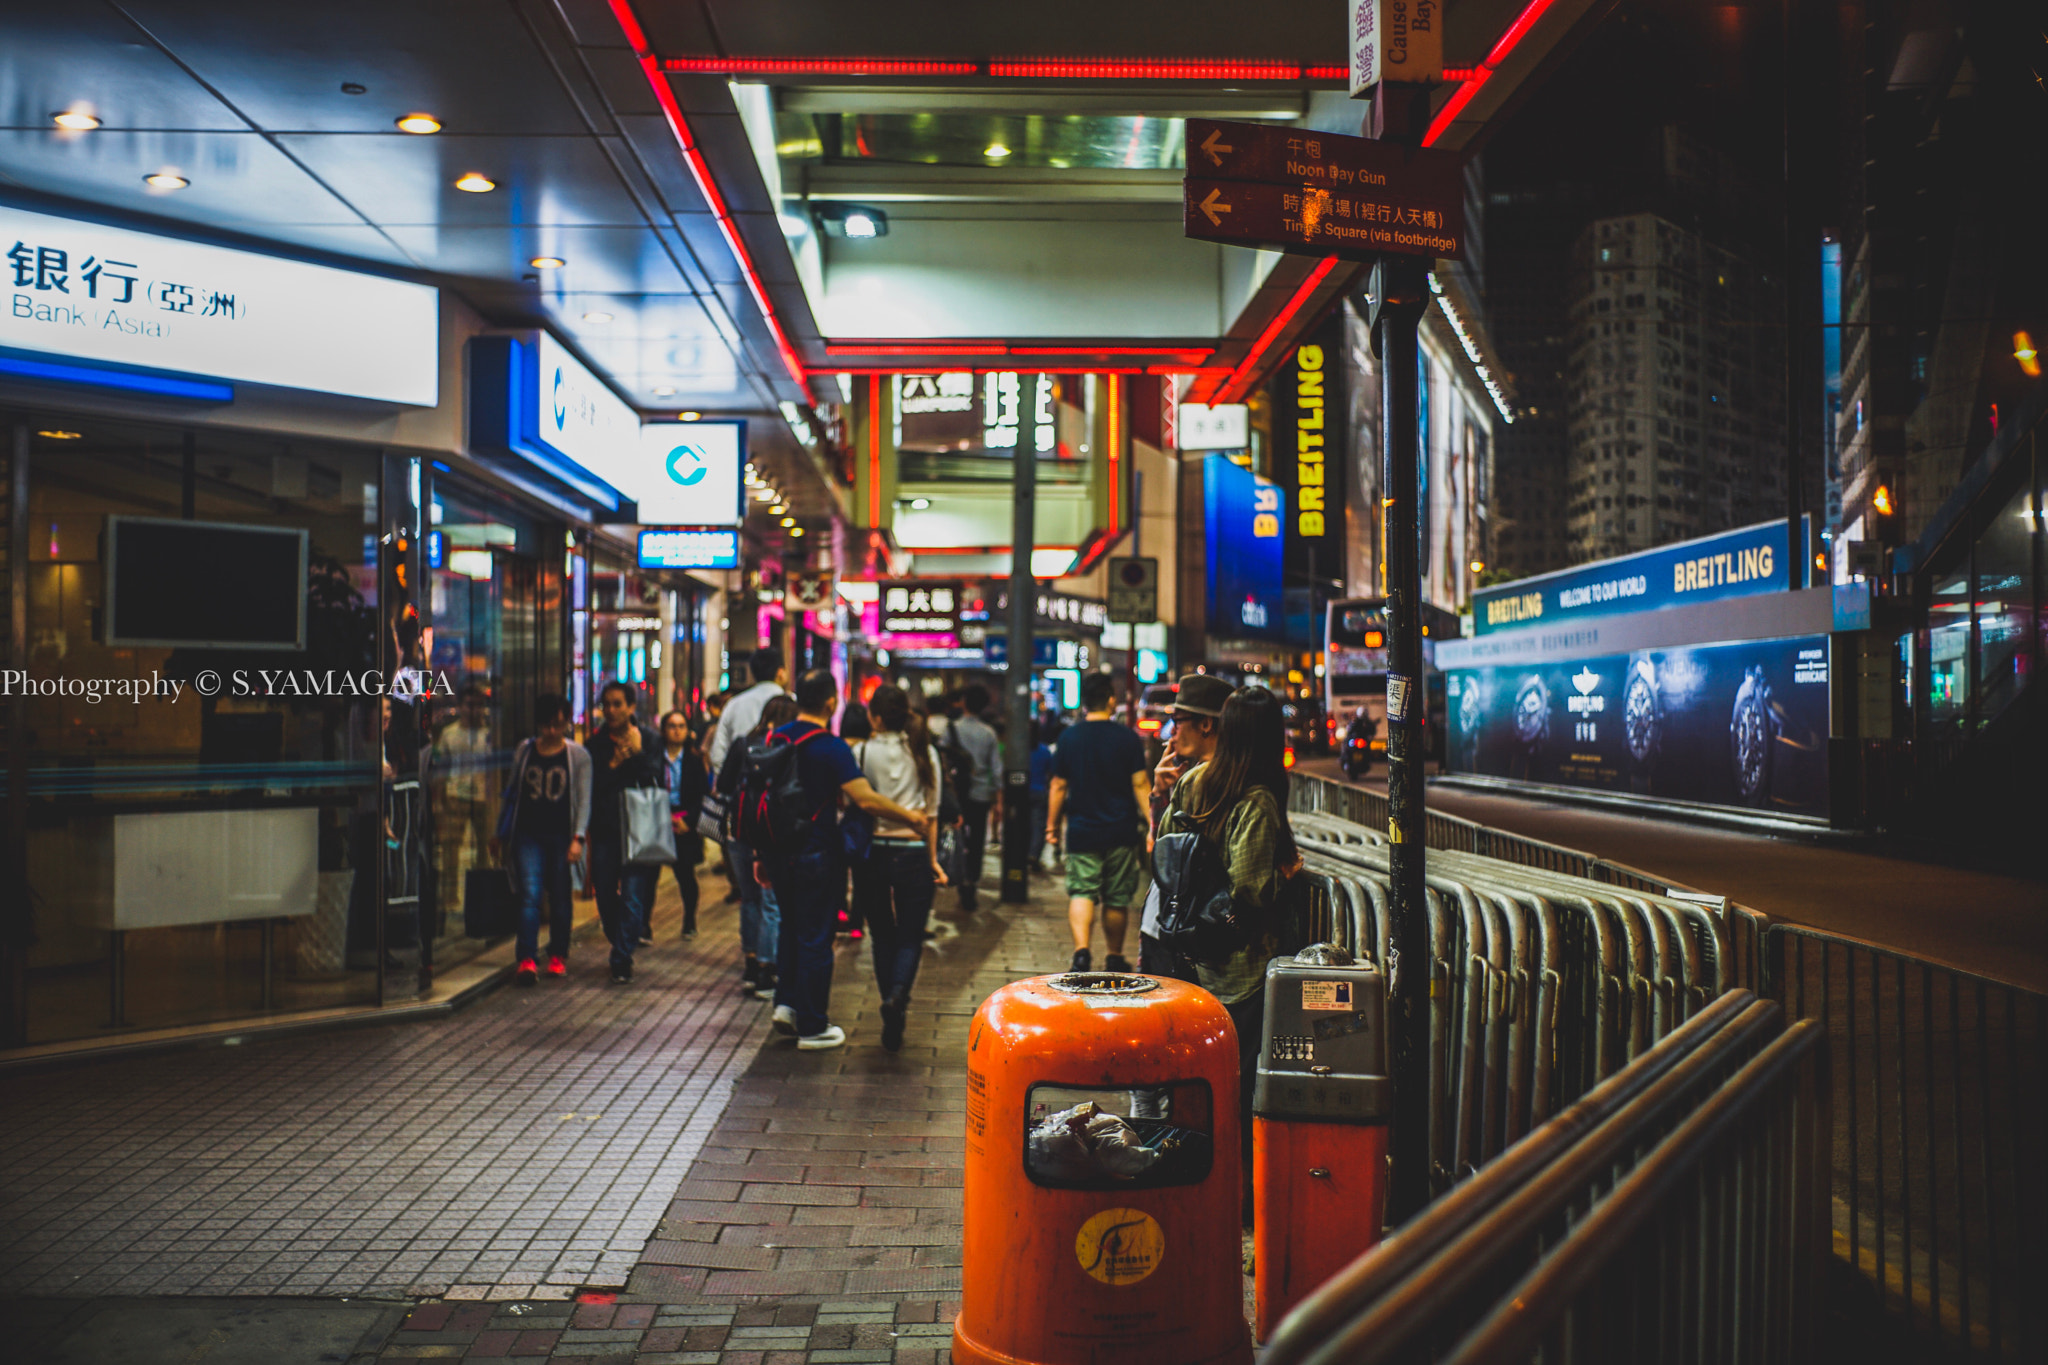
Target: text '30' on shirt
{"x": 1098, "y": 758}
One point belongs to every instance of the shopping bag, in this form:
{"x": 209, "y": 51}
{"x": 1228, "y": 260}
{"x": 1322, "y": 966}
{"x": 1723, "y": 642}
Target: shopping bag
{"x": 648, "y": 837}
{"x": 489, "y": 907}
{"x": 711, "y": 818}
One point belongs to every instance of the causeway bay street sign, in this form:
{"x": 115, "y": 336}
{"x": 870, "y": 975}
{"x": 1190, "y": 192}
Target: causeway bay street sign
{"x": 1321, "y": 192}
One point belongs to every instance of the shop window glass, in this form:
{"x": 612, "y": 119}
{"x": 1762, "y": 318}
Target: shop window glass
{"x": 1948, "y": 655}
{"x": 262, "y": 796}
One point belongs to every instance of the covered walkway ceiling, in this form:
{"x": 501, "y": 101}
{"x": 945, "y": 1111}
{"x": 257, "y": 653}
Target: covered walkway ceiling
{"x": 675, "y": 154}
{"x": 1028, "y": 165}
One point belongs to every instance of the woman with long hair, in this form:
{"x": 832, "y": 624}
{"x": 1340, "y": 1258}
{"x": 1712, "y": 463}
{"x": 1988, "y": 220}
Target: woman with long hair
{"x": 893, "y": 886}
{"x": 1238, "y": 801}
{"x": 760, "y": 915}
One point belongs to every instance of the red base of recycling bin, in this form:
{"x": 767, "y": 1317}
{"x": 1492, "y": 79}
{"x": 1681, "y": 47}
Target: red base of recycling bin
{"x": 1319, "y": 1199}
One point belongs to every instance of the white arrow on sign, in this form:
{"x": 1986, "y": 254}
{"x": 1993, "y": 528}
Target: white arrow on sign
{"x": 1213, "y": 209}
{"x": 1213, "y": 147}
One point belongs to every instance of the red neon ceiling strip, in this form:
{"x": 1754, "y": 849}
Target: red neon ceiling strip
{"x": 700, "y": 171}
{"x": 817, "y": 66}
{"x": 940, "y": 350}
{"x": 1176, "y": 354}
{"x": 1280, "y": 321}
{"x": 1327, "y": 73}
{"x": 875, "y": 450}
{"x": 1516, "y": 31}
{"x": 1453, "y": 107}
{"x": 1122, "y": 68}
{"x": 1470, "y": 79}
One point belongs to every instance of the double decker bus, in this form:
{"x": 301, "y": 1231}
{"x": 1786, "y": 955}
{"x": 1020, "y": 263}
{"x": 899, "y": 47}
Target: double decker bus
{"x": 1355, "y": 673}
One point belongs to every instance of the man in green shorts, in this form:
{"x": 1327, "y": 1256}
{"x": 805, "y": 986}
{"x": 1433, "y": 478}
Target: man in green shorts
{"x": 1100, "y": 783}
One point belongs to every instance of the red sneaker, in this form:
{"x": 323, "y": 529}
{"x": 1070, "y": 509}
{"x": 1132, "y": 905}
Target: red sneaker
{"x": 557, "y": 967}
{"x": 527, "y": 974}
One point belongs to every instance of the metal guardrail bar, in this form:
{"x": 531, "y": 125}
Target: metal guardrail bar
{"x": 1324, "y": 1326}
{"x": 1939, "y": 1077}
{"x": 1688, "y": 1196}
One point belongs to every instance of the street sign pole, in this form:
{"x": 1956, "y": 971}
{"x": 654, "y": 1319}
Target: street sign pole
{"x": 1016, "y": 831}
{"x": 1399, "y": 294}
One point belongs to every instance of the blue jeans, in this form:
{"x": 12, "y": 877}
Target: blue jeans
{"x": 811, "y": 890}
{"x": 894, "y": 886}
{"x": 542, "y": 865}
{"x": 625, "y": 894}
{"x": 760, "y": 912}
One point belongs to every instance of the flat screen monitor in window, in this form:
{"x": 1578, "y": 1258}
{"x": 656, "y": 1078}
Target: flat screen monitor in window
{"x": 204, "y": 584}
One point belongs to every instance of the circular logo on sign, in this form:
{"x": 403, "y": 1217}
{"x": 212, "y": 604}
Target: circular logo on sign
{"x": 561, "y": 408}
{"x": 1120, "y": 1246}
{"x": 686, "y": 465}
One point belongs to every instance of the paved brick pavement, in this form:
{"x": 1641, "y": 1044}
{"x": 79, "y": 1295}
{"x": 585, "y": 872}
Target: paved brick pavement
{"x": 528, "y": 1146}
{"x": 704, "y": 1198}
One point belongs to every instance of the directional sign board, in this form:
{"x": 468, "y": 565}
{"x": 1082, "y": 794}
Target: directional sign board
{"x": 1321, "y": 192}
{"x": 1134, "y": 589}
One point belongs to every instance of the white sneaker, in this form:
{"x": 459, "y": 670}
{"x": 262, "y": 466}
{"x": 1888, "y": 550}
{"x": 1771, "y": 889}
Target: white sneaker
{"x": 833, "y": 1036}
{"x": 785, "y": 1021}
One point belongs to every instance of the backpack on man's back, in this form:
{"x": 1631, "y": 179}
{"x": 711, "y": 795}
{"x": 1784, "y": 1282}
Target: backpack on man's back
{"x": 773, "y": 814}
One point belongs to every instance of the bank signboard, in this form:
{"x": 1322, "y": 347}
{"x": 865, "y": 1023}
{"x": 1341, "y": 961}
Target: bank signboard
{"x": 692, "y": 474}
{"x": 1740, "y": 563}
{"x": 117, "y": 297}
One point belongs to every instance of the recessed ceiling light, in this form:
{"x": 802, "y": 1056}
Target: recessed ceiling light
{"x": 597, "y": 317}
{"x": 861, "y": 225}
{"x": 796, "y": 530}
{"x": 995, "y": 151}
{"x": 664, "y": 390}
{"x": 76, "y": 120}
{"x": 419, "y": 123}
{"x": 474, "y": 183}
{"x": 778, "y": 508}
{"x": 547, "y": 263}
{"x": 789, "y": 521}
{"x": 165, "y": 180}
{"x": 688, "y": 416}
{"x": 919, "y": 504}
{"x": 61, "y": 435}
{"x": 768, "y": 494}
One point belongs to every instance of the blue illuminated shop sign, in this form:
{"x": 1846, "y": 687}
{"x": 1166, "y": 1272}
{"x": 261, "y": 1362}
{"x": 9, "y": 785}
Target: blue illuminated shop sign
{"x": 1737, "y": 563}
{"x": 689, "y": 548}
{"x": 535, "y": 401}
{"x": 1246, "y": 516}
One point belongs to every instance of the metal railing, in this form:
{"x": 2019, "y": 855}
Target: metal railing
{"x": 1940, "y": 1145}
{"x": 1703, "y": 1152}
{"x": 1939, "y": 1077}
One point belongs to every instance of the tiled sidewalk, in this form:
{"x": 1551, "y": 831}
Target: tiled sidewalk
{"x": 705, "y": 1198}
{"x": 526, "y": 1147}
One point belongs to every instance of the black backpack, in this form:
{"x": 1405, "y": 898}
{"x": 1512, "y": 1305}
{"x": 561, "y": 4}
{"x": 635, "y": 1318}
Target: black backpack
{"x": 959, "y": 765}
{"x": 1197, "y": 916}
{"x": 773, "y": 815}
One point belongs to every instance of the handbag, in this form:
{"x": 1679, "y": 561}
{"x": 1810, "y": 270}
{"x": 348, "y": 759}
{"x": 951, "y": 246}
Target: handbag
{"x": 711, "y": 817}
{"x": 646, "y": 836}
{"x": 489, "y": 907}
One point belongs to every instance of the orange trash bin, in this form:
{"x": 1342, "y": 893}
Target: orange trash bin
{"x": 1102, "y": 1177}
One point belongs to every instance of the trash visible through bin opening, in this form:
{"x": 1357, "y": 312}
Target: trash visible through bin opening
{"x": 1086, "y": 1142}
{"x": 1324, "y": 955}
{"x": 1103, "y": 983}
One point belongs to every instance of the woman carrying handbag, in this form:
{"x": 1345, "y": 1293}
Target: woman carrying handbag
{"x": 895, "y": 883}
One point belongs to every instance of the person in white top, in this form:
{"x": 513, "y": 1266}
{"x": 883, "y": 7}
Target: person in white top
{"x": 894, "y": 885}
{"x": 771, "y": 679}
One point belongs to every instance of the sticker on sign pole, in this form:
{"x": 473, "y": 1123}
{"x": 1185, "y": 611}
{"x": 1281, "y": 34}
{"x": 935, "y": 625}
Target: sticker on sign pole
{"x": 1400, "y": 697}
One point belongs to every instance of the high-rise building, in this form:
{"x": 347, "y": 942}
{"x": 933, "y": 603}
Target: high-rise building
{"x": 1674, "y": 388}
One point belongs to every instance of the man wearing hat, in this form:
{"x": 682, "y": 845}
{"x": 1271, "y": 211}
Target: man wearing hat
{"x": 1197, "y": 710}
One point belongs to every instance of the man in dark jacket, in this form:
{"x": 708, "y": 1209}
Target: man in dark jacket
{"x": 623, "y": 754}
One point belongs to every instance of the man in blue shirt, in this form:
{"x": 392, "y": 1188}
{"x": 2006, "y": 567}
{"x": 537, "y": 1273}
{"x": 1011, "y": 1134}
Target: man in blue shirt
{"x": 1100, "y": 782}
{"x": 811, "y": 886}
